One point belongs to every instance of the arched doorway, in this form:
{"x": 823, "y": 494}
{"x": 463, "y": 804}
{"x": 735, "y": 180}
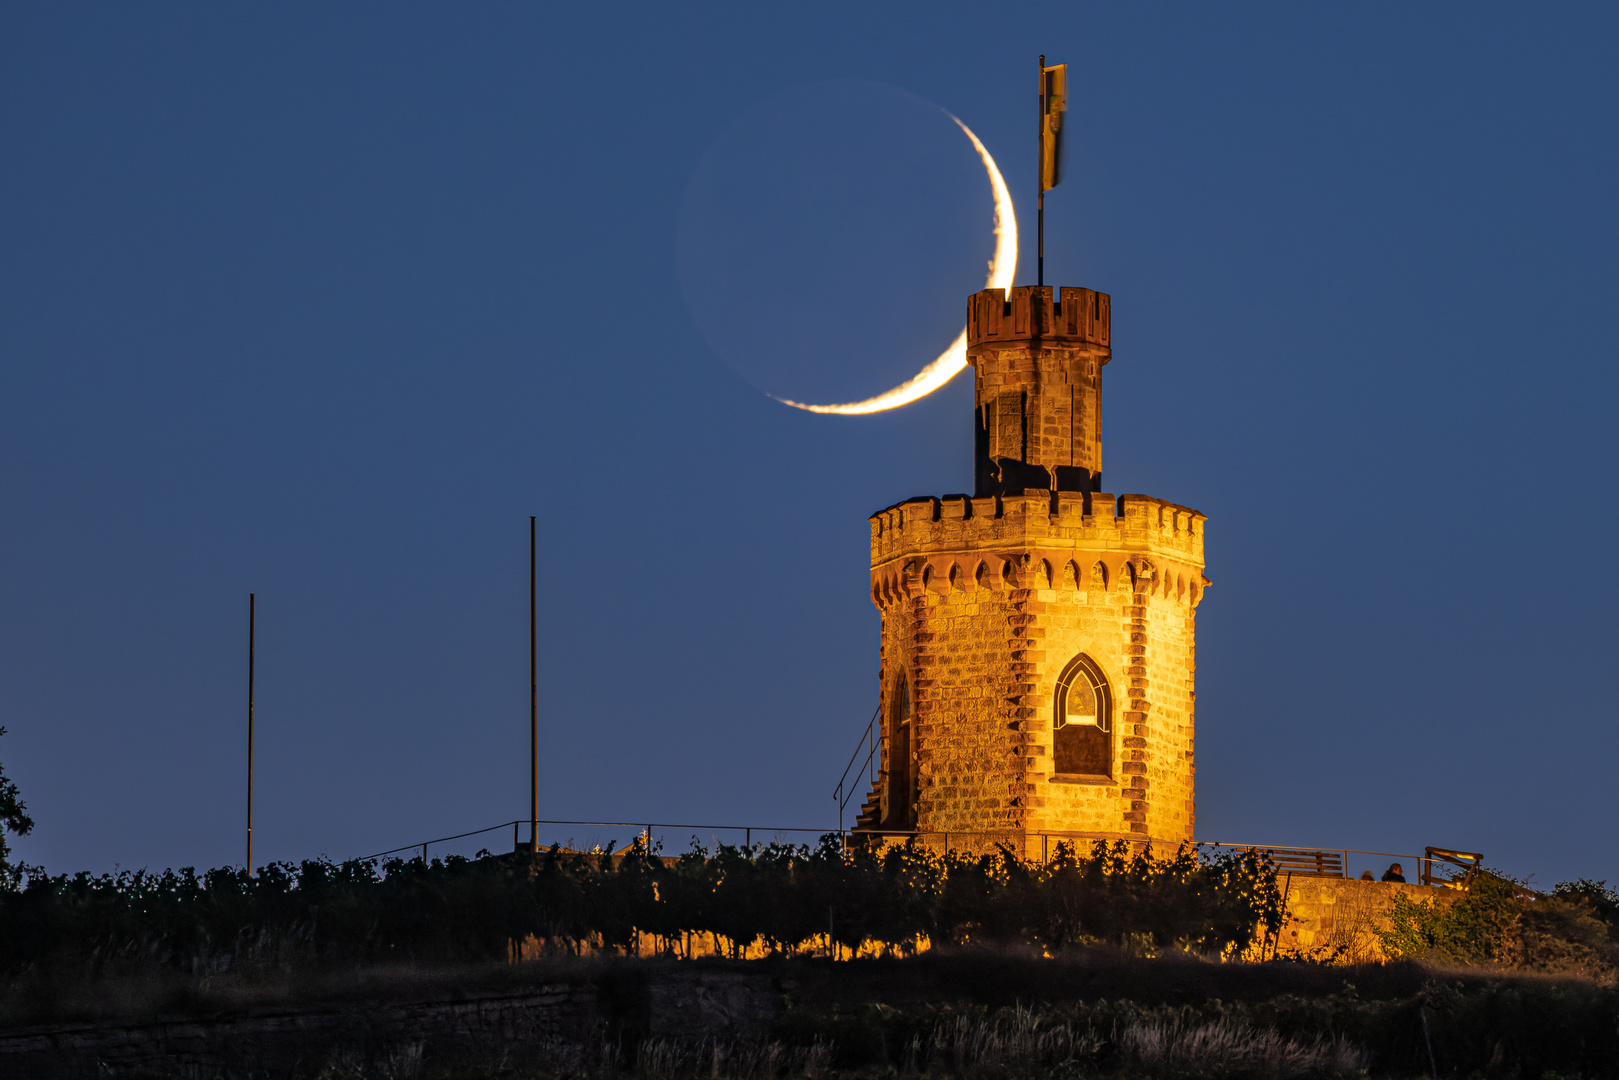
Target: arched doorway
{"x": 899, "y": 803}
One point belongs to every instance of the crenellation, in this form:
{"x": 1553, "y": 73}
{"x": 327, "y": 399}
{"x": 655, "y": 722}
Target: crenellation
{"x": 1137, "y": 523}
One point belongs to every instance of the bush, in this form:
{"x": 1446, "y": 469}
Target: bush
{"x": 1496, "y": 921}
{"x": 1601, "y": 901}
{"x": 785, "y": 896}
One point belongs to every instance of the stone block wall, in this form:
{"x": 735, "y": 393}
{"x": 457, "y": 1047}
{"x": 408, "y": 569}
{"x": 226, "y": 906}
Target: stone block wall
{"x": 985, "y": 601}
{"x": 1038, "y": 386}
{"x": 1337, "y": 918}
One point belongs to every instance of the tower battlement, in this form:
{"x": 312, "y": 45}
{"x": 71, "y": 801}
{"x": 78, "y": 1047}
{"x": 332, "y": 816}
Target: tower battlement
{"x": 1028, "y": 313}
{"x": 1014, "y": 540}
{"x": 1061, "y": 519}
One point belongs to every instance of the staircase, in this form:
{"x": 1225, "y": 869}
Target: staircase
{"x": 864, "y": 770}
{"x": 871, "y": 811}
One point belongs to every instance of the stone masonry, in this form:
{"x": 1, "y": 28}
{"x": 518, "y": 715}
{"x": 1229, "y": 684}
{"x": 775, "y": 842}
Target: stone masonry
{"x": 1336, "y": 919}
{"x": 986, "y": 599}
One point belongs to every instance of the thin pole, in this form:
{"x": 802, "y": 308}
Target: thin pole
{"x": 533, "y": 704}
{"x": 1040, "y": 183}
{"x": 251, "y": 619}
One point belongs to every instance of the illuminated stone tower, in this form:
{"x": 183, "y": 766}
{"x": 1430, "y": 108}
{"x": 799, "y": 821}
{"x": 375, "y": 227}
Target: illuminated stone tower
{"x": 1037, "y": 646}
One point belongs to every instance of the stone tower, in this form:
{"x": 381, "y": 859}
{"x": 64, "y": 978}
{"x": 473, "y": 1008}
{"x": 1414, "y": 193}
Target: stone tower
{"x": 1037, "y": 646}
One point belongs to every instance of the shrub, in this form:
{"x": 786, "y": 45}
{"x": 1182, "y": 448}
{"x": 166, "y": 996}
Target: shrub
{"x": 1601, "y": 901}
{"x": 1497, "y": 921}
{"x": 787, "y": 896}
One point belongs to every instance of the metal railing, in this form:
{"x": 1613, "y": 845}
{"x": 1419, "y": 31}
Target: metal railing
{"x": 1435, "y": 866}
{"x": 1427, "y": 873}
{"x": 1468, "y": 861}
{"x": 871, "y": 741}
{"x": 641, "y": 829}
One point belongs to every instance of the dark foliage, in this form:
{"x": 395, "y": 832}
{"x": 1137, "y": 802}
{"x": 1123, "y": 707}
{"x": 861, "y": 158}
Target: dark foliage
{"x": 469, "y": 910}
{"x": 1474, "y": 927}
{"x": 1496, "y": 921}
{"x": 1602, "y": 901}
{"x": 13, "y": 818}
{"x": 1497, "y": 1028}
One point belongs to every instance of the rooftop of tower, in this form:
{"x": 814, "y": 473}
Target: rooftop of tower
{"x": 1031, "y": 312}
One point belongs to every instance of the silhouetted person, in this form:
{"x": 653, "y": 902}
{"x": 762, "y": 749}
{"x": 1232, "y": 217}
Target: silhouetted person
{"x": 1366, "y": 875}
{"x": 1394, "y": 873}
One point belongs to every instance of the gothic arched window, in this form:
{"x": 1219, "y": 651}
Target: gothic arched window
{"x": 1083, "y": 721}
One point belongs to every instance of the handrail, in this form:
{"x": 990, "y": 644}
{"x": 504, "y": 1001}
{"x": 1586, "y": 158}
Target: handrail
{"x": 1306, "y": 847}
{"x": 646, "y": 825}
{"x": 440, "y": 840}
{"x": 839, "y": 793}
{"x": 1424, "y": 863}
{"x": 1450, "y": 855}
{"x": 1424, "y": 873}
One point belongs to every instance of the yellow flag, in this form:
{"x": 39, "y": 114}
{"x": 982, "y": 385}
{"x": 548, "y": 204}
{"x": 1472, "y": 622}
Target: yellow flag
{"x": 1054, "y": 99}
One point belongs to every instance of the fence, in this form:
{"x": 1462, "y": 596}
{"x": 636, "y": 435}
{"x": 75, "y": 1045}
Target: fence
{"x": 619, "y": 834}
{"x": 1435, "y": 866}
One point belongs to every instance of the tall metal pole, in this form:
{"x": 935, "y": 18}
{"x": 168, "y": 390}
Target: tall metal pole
{"x": 533, "y": 705}
{"x": 251, "y": 613}
{"x": 1040, "y": 183}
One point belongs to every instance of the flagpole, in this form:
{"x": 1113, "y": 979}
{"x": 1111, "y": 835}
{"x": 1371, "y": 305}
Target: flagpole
{"x": 1040, "y": 183}
{"x": 251, "y": 601}
{"x": 533, "y": 706}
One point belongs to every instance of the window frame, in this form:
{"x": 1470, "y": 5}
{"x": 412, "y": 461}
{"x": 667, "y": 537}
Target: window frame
{"x": 1083, "y": 666}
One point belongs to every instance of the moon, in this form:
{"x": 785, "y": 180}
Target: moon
{"x": 1002, "y": 268}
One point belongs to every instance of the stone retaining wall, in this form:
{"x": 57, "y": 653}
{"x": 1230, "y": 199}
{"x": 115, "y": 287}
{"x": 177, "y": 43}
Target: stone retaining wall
{"x": 1337, "y": 918}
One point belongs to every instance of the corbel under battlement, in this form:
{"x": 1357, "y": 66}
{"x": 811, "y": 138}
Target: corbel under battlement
{"x": 1035, "y": 540}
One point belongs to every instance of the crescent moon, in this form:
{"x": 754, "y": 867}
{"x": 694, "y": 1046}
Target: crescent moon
{"x": 1002, "y": 268}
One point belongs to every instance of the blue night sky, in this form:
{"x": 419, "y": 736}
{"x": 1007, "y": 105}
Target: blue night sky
{"x": 323, "y": 301}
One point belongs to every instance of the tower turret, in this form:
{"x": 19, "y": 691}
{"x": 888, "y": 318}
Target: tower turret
{"x": 1038, "y": 378}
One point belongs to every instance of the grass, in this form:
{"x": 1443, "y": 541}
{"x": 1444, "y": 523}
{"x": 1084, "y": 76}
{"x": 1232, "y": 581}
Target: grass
{"x": 1003, "y": 1046}
{"x": 145, "y": 990}
{"x": 972, "y": 1014}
